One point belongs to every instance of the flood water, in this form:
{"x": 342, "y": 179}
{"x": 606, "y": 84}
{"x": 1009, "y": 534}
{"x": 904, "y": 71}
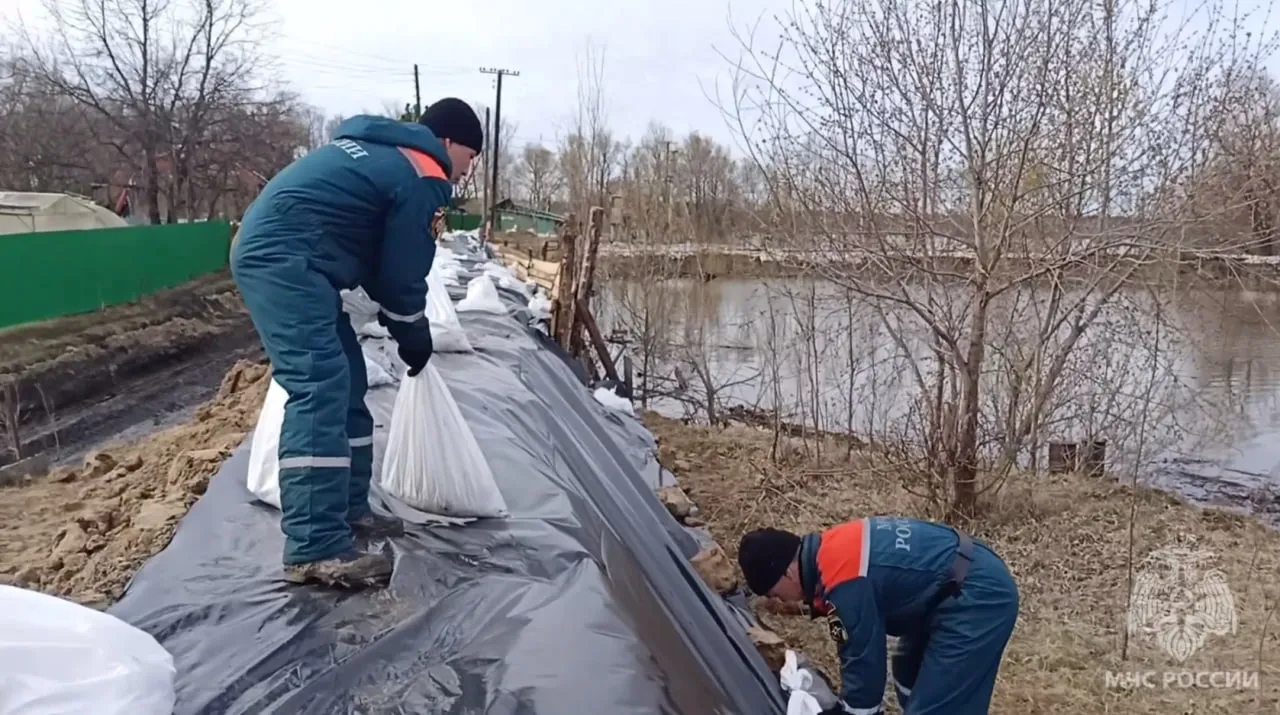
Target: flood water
{"x": 1184, "y": 388}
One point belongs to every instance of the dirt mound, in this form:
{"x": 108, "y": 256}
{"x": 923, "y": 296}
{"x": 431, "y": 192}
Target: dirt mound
{"x": 59, "y": 366}
{"x": 1066, "y": 539}
{"x": 82, "y": 533}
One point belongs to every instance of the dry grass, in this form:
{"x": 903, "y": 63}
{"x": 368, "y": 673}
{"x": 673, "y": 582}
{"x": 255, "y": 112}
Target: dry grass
{"x": 1065, "y": 539}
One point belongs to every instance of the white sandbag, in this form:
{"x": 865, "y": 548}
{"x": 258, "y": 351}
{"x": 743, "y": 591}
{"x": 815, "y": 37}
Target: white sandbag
{"x": 514, "y": 284}
{"x": 264, "y": 453}
{"x": 614, "y": 401}
{"x": 506, "y": 278}
{"x": 447, "y": 335}
{"x": 482, "y": 297}
{"x": 375, "y": 374}
{"x": 496, "y": 270}
{"x": 372, "y": 329}
{"x": 809, "y": 695}
{"x": 359, "y": 306}
{"x": 61, "y": 658}
{"x": 540, "y": 307}
{"x": 433, "y": 462}
{"x": 449, "y": 275}
{"x": 443, "y": 256}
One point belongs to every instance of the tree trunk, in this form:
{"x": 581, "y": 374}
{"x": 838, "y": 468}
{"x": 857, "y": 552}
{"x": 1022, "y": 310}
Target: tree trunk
{"x": 964, "y": 471}
{"x": 151, "y": 185}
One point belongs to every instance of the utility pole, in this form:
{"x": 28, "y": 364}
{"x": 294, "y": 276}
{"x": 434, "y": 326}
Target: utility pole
{"x": 668, "y": 180}
{"x": 497, "y": 149}
{"x": 484, "y": 188}
{"x": 417, "y": 95}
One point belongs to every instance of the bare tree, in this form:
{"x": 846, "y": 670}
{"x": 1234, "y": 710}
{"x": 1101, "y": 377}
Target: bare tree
{"x": 539, "y": 176}
{"x": 1239, "y": 182}
{"x": 961, "y": 183}
{"x": 589, "y": 154}
{"x": 154, "y": 72}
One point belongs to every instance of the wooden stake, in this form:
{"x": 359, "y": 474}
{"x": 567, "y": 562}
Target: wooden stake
{"x": 565, "y": 303}
{"x": 597, "y": 340}
{"x": 588, "y": 275}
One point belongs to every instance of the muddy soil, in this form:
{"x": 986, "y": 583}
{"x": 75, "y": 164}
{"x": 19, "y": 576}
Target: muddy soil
{"x": 121, "y": 372}
{"x": 81, "y": 533}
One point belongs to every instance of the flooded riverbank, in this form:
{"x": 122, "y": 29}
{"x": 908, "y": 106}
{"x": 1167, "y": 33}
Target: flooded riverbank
{"x": 1185, "y": 388}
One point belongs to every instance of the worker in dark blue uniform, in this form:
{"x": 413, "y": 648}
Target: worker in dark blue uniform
{"x": 355, "y": 212}
{"x": 951, "y": 602}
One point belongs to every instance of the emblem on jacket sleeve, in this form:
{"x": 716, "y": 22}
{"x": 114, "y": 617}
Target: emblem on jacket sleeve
{"x": 439, "y": 224}
{"x": 836, "y": 630}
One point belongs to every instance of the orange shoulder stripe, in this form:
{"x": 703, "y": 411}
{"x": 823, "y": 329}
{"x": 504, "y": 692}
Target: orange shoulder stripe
{"x": 424, "y": 164}
{"x": 844, "y": 554}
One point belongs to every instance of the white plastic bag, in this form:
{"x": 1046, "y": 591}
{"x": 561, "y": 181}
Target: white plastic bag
{"x": 447, "y": 335}
{"x": 61, "y": 658}
{"x": 264, "y": 453}
{"x": 443, "y": 256}
{"x": 375, "y": 374}
{"x": 433, "y": 462}
{"x": 482, "y": 297}
{"x": 505, "y": 278}
{"x": 614, "y": 401}
{"x": 359, "y": 306}
{"x": 540, "y": 307}
{"x": 372, "y": 329}
{"x": 809, "y": 695}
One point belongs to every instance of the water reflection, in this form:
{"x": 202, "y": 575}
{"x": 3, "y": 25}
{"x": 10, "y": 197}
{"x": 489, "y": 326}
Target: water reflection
{"x": 1185, "y": 387}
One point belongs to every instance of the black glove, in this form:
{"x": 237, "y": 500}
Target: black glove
{"x": 415, "y": 359}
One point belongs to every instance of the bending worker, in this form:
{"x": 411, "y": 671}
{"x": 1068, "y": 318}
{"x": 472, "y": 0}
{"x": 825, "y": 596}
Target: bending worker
{"x": 951, "y": 602}
{"x": 355, "y": 212}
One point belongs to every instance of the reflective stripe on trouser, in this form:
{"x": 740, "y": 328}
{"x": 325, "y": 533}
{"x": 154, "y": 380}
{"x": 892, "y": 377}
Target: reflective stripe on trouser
{"x": 297, "y": 314}
{"x": 359, "y": 423}
{"x": 906, "y": 666}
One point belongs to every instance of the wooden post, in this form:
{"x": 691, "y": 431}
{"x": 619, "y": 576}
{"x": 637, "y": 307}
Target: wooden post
{"x": 1063, "y": 457}
{"x": 582, "y": 290}
{"x": 597, "y": 340}
{"x": 627, "y": 377}
{"x": 588, "y": 276}
{"x": 565, "y": 303}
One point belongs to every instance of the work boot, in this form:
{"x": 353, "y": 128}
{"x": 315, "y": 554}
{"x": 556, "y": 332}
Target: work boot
{"x": 373, "y": 526}
{"x": 352, "y": 569}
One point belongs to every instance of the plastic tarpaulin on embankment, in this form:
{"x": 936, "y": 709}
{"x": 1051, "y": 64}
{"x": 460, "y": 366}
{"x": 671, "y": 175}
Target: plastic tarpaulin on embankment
{"x": 583, "y": 601}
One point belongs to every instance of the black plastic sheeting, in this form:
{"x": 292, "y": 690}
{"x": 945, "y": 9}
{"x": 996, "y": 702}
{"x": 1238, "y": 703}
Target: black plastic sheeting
{"x": 582, "y": 602}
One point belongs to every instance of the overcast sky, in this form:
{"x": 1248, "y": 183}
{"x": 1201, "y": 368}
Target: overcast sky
{"x": 661, "y": 57}
{"x": 664, "y": 60}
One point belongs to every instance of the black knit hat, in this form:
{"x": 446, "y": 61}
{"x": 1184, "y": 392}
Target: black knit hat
{"x": 764, "y": 556}
{"x": 453, "y": 119}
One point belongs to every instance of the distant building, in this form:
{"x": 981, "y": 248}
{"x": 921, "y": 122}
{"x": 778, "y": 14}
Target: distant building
{"x": 518, "y": 217}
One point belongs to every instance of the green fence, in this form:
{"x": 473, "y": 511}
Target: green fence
{"x": 463, "y": 222}
{"x": 51, "y": 275}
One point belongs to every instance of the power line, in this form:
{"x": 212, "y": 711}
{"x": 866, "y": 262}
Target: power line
{"x": 497, "y": 123}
